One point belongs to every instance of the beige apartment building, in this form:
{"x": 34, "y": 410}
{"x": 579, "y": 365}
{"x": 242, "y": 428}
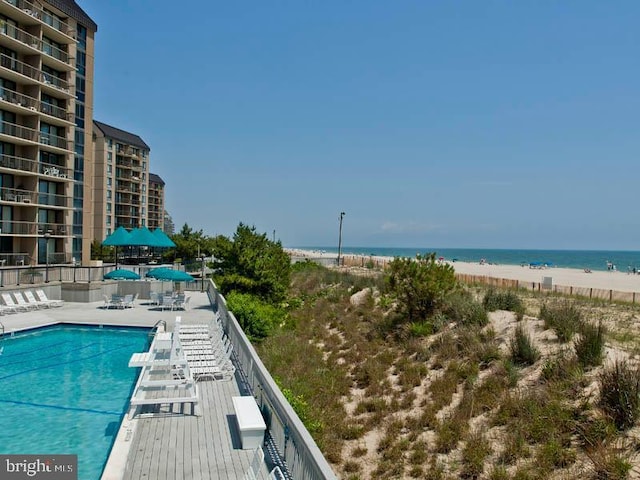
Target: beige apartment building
{"x": 46, "y": 107}
{"x": 156, "y": 202}
{"x": 121, "y": 180}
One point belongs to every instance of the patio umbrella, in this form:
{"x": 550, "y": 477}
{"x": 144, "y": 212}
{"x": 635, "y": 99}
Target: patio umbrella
{"x": 169, "y": 275}
{"x": 120, "y": 237}
{"x": 163, "y": 238}
{"x": 142, "y": 237}
{"x": 122, "y": 274}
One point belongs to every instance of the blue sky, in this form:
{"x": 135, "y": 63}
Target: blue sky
{"x": 494, "y": 124}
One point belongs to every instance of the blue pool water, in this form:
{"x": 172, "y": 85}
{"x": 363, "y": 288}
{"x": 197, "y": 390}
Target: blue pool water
{"x": 65, "y": 390}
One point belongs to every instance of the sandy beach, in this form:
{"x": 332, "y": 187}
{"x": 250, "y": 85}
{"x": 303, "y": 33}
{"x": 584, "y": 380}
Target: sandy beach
{"x": 610, "y": 280}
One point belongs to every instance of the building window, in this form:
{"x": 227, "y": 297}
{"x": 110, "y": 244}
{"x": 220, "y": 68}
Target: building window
{"x": 109, "y": 143}
{"x": 108, "y": 194}
{"x": 108, "y": 219}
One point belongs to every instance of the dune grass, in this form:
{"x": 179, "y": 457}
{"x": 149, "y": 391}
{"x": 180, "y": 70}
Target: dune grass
{"x": 420, "y": 395}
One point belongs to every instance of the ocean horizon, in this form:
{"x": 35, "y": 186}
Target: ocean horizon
{"x": 580, "y": 259}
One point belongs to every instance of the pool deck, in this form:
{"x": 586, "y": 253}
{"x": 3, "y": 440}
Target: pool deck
{"x": 171, "y": 443}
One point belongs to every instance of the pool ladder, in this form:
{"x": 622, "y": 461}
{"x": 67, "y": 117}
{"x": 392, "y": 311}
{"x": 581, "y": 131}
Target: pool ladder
{"x": 1, "y": 338}
{"x": 154, "y": 331}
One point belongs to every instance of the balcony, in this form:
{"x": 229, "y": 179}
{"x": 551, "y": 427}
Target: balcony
{"x": 34, "y": 167}
{"x": 30, "y": 13}
{"x": 8, "y": 227}
{"x": 34, "y": 105}
{"x": 16, "y": 195}
{"x": 17, "y": 71}
{"x": 19, "y": 38}
{"x": 28, "y": 136}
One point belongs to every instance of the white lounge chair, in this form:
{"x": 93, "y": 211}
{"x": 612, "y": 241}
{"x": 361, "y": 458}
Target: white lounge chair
{"x": 253, "y": 472}
{"x": 9, "y": 302}
{"x": 276, "y": 474}
{"x": 40, "y": 295}
{"x": 34, "y": 301}
{"x": 23, "y": 303}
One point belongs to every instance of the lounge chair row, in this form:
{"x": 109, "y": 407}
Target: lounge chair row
{"x": 207, "y": 350}
{"x": 165, "y": 377}
{"x": 26, "y": 300}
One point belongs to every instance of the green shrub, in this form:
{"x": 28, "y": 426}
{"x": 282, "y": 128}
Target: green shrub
{"x": 523, "y": 351}
{"x": 590, "y": 345}
{"x": 420, "y": 285}
{"x": 554, "y": 455}
{"x": 474, "y": 452}
{"x": 509, "y": 300}
{"x": 463, "y": 309}
{"x": 420, "y": 329}
{"x": 564, "y": 318}
{"x": 563, "y": 368}
{"x": 301, "y": 407}
{"x": 620, "y": 394}
{"x": 609, "y": 464}
{"x": 256, "y": 317}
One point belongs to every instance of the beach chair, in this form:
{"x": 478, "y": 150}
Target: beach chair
{"x": 253, "y": 472}
{"x": 276, "y": 474}
{"x": 40, "y": 295}
{"x": 34, "y": 301}
{"x": 9, "y": 302}
{"x": 20, "y": 300}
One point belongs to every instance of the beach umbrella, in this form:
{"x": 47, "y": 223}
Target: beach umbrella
{"x": 167, "y": 274}
{"x": 122, "y": 274}
{"x": 142, "y": 237}
{"x": 163, "y": 238}
{"x": 120, "y": 237}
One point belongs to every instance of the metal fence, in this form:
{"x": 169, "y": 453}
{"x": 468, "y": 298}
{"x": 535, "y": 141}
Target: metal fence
{"x": 288, "y": 436}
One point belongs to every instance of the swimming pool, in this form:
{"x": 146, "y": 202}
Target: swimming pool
{"x": 65, "y": 390}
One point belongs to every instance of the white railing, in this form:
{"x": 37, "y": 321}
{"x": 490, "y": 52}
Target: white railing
{"x": 291, "y": 440}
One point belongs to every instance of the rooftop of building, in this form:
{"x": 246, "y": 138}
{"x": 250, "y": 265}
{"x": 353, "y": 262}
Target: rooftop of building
{"x": 121, "y": 135}
{"x": 71, "y": 8}
{"x": 153, "y": 178}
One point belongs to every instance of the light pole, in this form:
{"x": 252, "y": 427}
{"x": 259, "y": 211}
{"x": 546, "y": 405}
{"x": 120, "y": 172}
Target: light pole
{"x": 47, "y": 236}
{"x": 202, "y": 277}
{"x": 340, "y": 238}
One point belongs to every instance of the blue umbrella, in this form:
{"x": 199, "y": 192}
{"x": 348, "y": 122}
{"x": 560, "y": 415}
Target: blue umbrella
{"x": 170, "y": 275}
{"x": 118, "y": 238}
{"x": 122, "y": 274}
{"x": 163, "y": 238}
{"x": 142, "y": 237}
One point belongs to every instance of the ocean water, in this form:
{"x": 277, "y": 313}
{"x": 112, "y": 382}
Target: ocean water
{"x": 591, "y": 259}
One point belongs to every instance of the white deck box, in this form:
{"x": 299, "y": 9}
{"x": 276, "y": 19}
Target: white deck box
{"x": 250, "y": 422}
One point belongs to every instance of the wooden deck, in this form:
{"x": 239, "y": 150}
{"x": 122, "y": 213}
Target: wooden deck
{"x": 179, "y": 445}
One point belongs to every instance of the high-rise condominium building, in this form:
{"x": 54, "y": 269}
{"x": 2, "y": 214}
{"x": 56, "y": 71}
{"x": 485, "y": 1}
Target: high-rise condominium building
{"x": 46, "y": 107}
{"x": 156, "y": 202}
{"x": 121, "y": 180}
